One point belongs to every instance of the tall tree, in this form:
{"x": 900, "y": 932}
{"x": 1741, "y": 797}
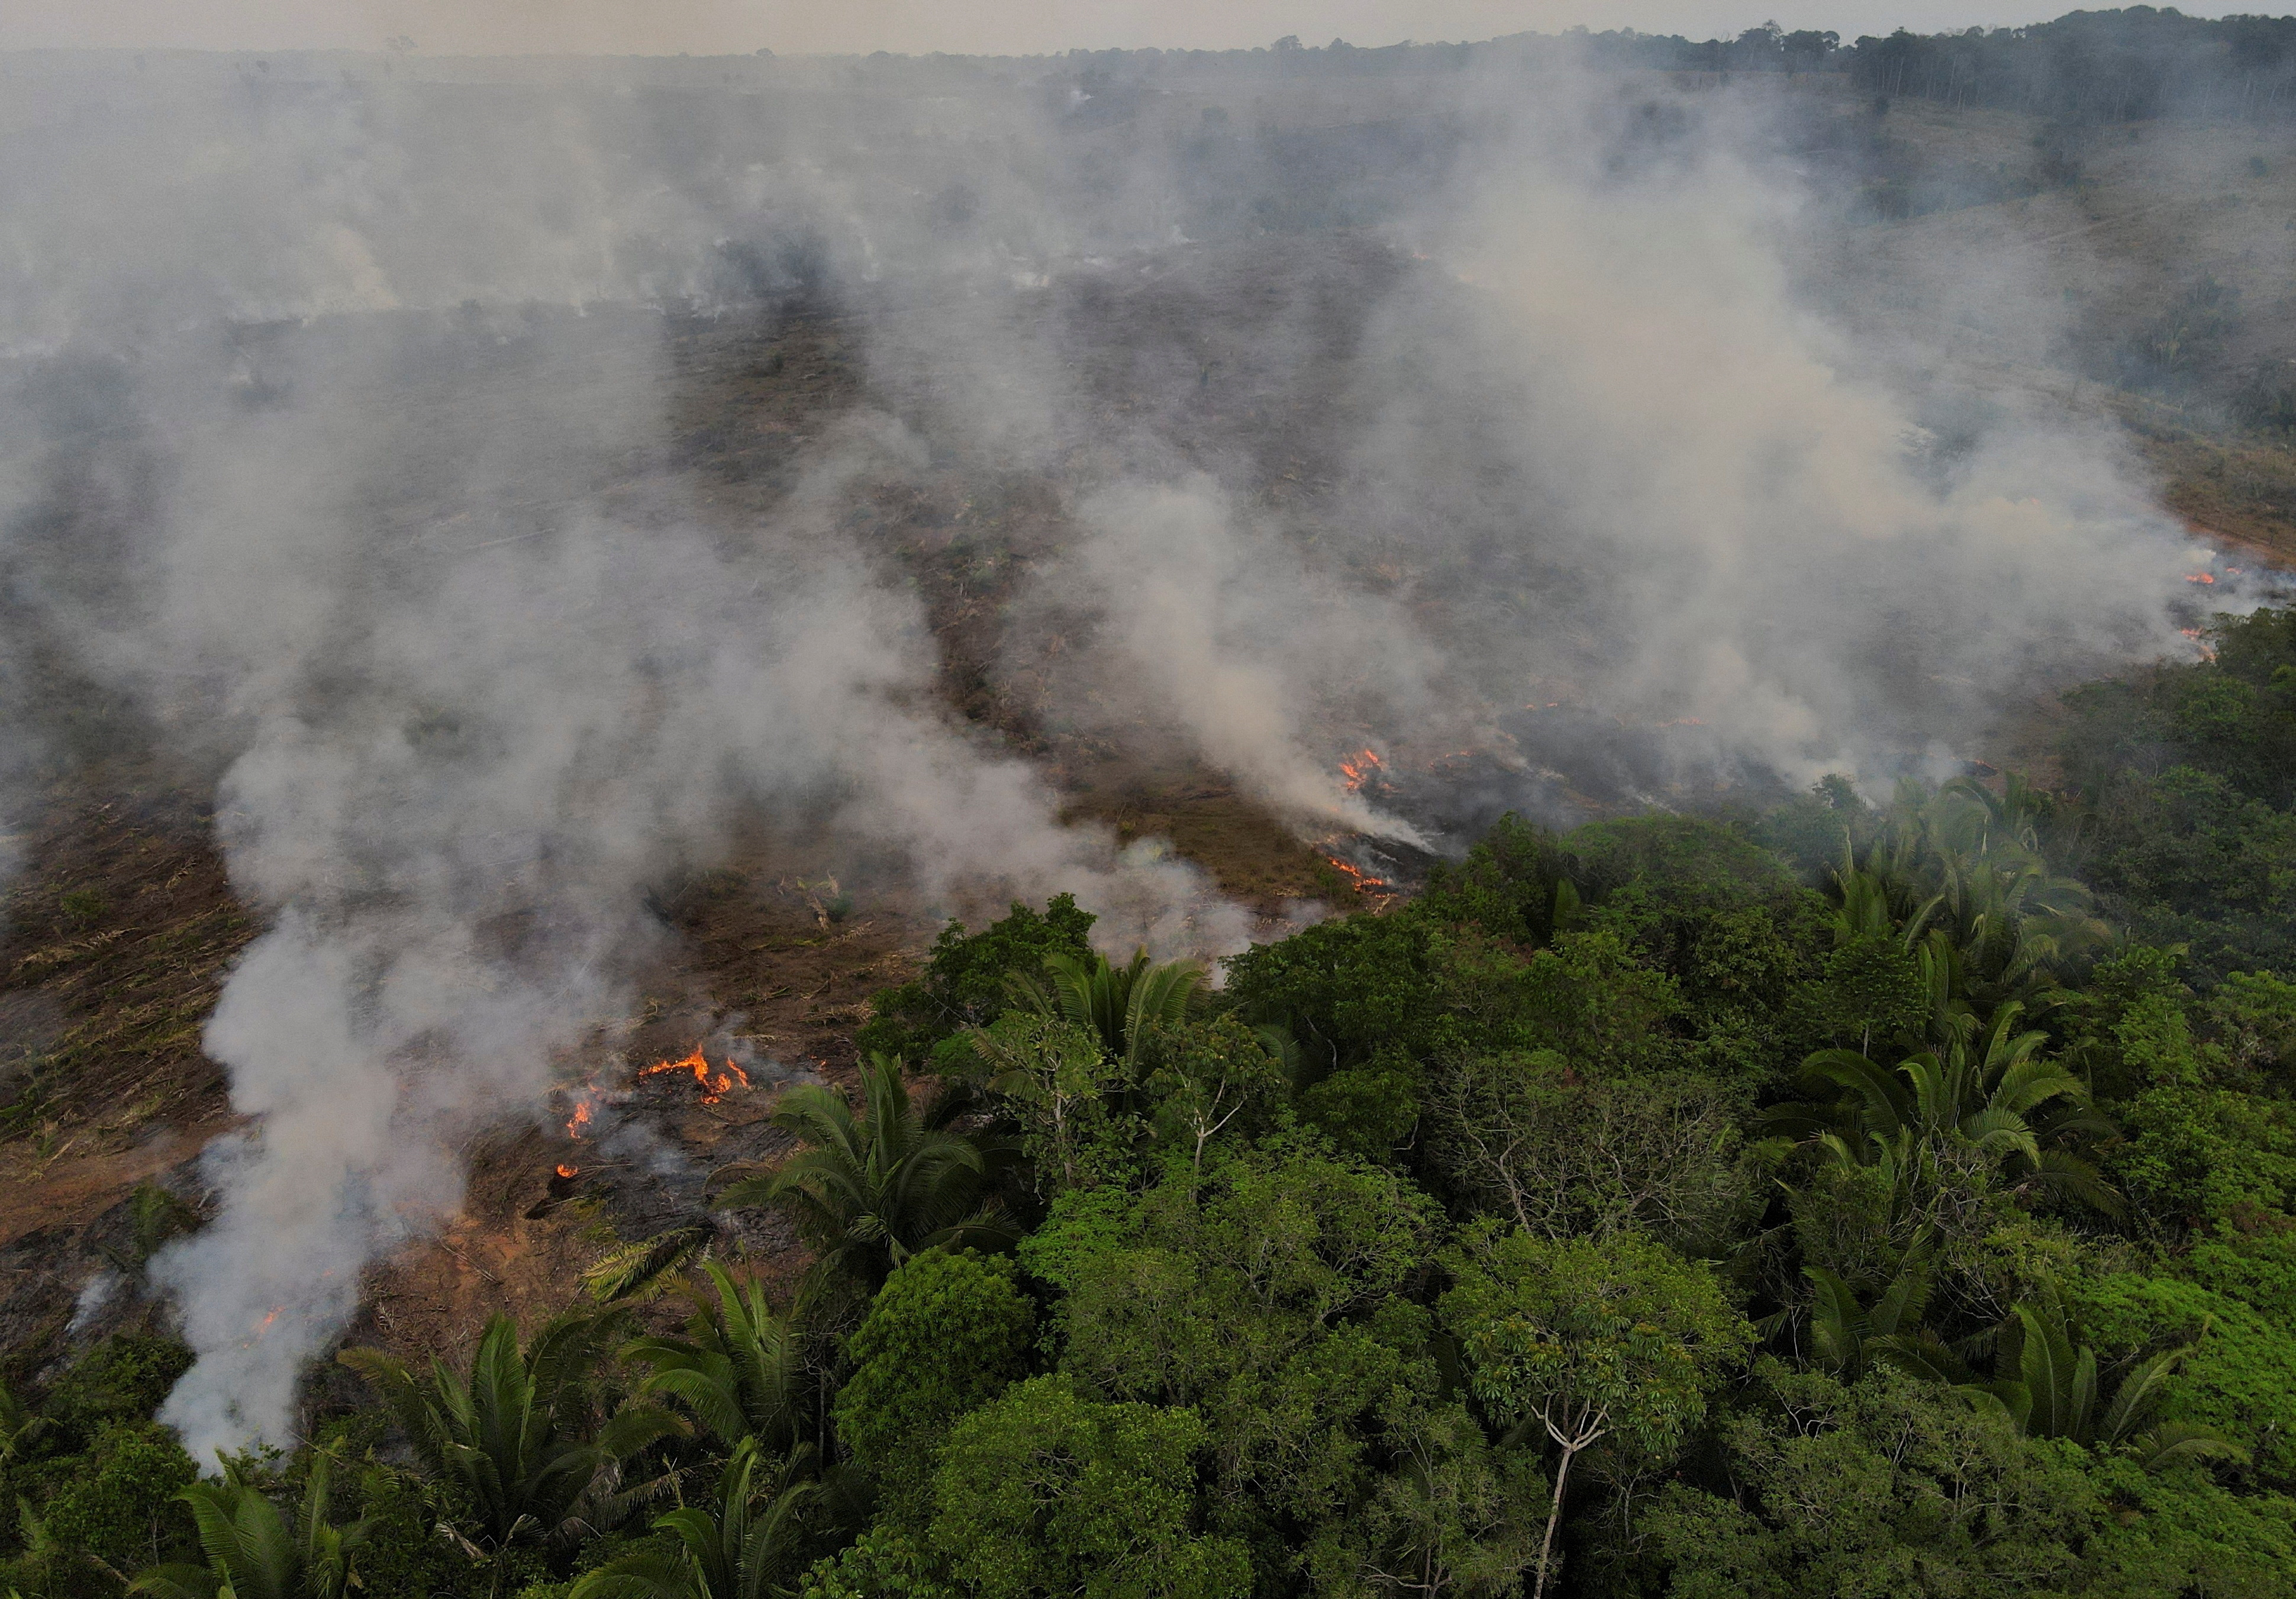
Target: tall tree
{"x": 1620, "y": 1340}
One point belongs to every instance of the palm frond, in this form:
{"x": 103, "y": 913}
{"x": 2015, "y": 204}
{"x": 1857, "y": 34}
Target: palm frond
{"x": 646, "y": 1268}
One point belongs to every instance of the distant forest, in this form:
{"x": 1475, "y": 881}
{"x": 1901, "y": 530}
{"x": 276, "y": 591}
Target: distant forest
{"x": 2087, "y": 66}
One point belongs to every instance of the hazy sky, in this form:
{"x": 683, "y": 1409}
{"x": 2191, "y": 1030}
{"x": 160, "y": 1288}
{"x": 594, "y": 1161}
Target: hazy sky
{"x": 668, "y": 27}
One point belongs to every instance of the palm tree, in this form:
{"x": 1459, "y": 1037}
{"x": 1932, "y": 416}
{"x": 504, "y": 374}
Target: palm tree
{"x": 871, "y": 1189}
{"x": 2055, "y": 1392}
{"x": 512, "y": 1435}
{"x": 19, "y": 1427}
{"x": 252, "y": 1551}
{"x": 1962, "y": 879}
{"x": 741, "y": 1368}
{"x": 750, "y": 1546}
{"x": 1846, "y": 1333}
{"x": 1120, "y": 1004}
{"x": 641, "y": 1269}
{"x": 1988, "y": 1088}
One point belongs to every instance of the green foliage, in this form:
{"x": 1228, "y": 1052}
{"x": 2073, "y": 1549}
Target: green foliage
{"x": 1567, "y": 1154}
{"x": 945, "y": 1334}
{"x": 1517, "y": 884}
{"x": 964, "y": 983}
{"x": 117, "y": 1504}
{"x": 870, "y": 1190}
{"x": 21, "y": 1428}
{"x": 1683, "y": 861}
{"x": 2239, "y": 1378}
{"x": 1069, "y": 1096}
{"x": 255, "y": 1552}
{"x": 2179, "y": 1532}
{"x": 1215, "y": 1079}
{"x": 1348, "y": 989}
{"x": 1623, "y": 1339}
{"x": 2189, "y": 773}
{"x": 403, "y": 1556}
{"x": 122, "y": 1379}
{"x": 1119, "y": 1006}
{"x": 1448, "y": 1517}
{"x": 1815, "y": 831}
{"x": 1265, "y": 1298}
{"x": 750, "y": 1544}
{"x": 1371, "y": 1110}
{"x": 1869, "y": 993}
{"x": 1048, "y": 1492}
{"x": 154, "y": 1216}
{"x": 741, "y": 1369}
{"x": 2026, "y": 1233}
{"x": 2197, "y": 1154}
{"x": 1881, "y": 1489}
{"x": 1617, "y": 1344}
{"x": 883, "y": 1564}
{"x": 2049, "y": 1385}
{"x": 513, "y": 1436}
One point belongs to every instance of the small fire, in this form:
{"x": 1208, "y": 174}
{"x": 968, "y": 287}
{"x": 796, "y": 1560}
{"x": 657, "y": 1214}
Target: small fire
{"x": 714, "y": 1084}
{"x": 565, "y": 1170}
{"x": 1365, "y": 882}
{"x": 1358, "y": 769}
{"x": 2199, "y": 576}
{"x": 579, "y": 1120}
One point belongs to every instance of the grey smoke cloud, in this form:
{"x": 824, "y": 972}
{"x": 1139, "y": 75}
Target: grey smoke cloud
{"x": 1697, "y": 498}
{"x": 471, "y": 685}
{"x": 458, "y": 777}
{"x": 347, "y": 391}
{"x": 1007, "y": 27}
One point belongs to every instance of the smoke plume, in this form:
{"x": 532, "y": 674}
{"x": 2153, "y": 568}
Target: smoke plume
{"x": 340, "y": 441}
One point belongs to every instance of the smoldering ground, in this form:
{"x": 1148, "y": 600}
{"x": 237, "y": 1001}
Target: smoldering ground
{"x": 340, "y": 444}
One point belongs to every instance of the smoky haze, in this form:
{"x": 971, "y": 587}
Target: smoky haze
{"x": 915, "y": 26}
{"x": 343, "y": 443}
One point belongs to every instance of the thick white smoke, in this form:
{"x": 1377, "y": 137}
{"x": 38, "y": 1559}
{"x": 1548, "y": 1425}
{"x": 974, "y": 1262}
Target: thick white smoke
{"x": 461, "y": 772}
{"x": 1644, "y": 473}
{"x": 476, "y": 669}
{"x": 1217, "y": 627}
{"x": 475, "y": 677}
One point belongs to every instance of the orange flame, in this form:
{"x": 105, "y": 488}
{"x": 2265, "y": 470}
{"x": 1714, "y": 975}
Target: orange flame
{"x": 1359, "y": 768}
{"x": 2199, "y": 576}
{"x": 1365, "y": 882}
{"x": 714, "y": 1084}
{"x": 567, "y": 1171}
{"x": 579, "y": 1120}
